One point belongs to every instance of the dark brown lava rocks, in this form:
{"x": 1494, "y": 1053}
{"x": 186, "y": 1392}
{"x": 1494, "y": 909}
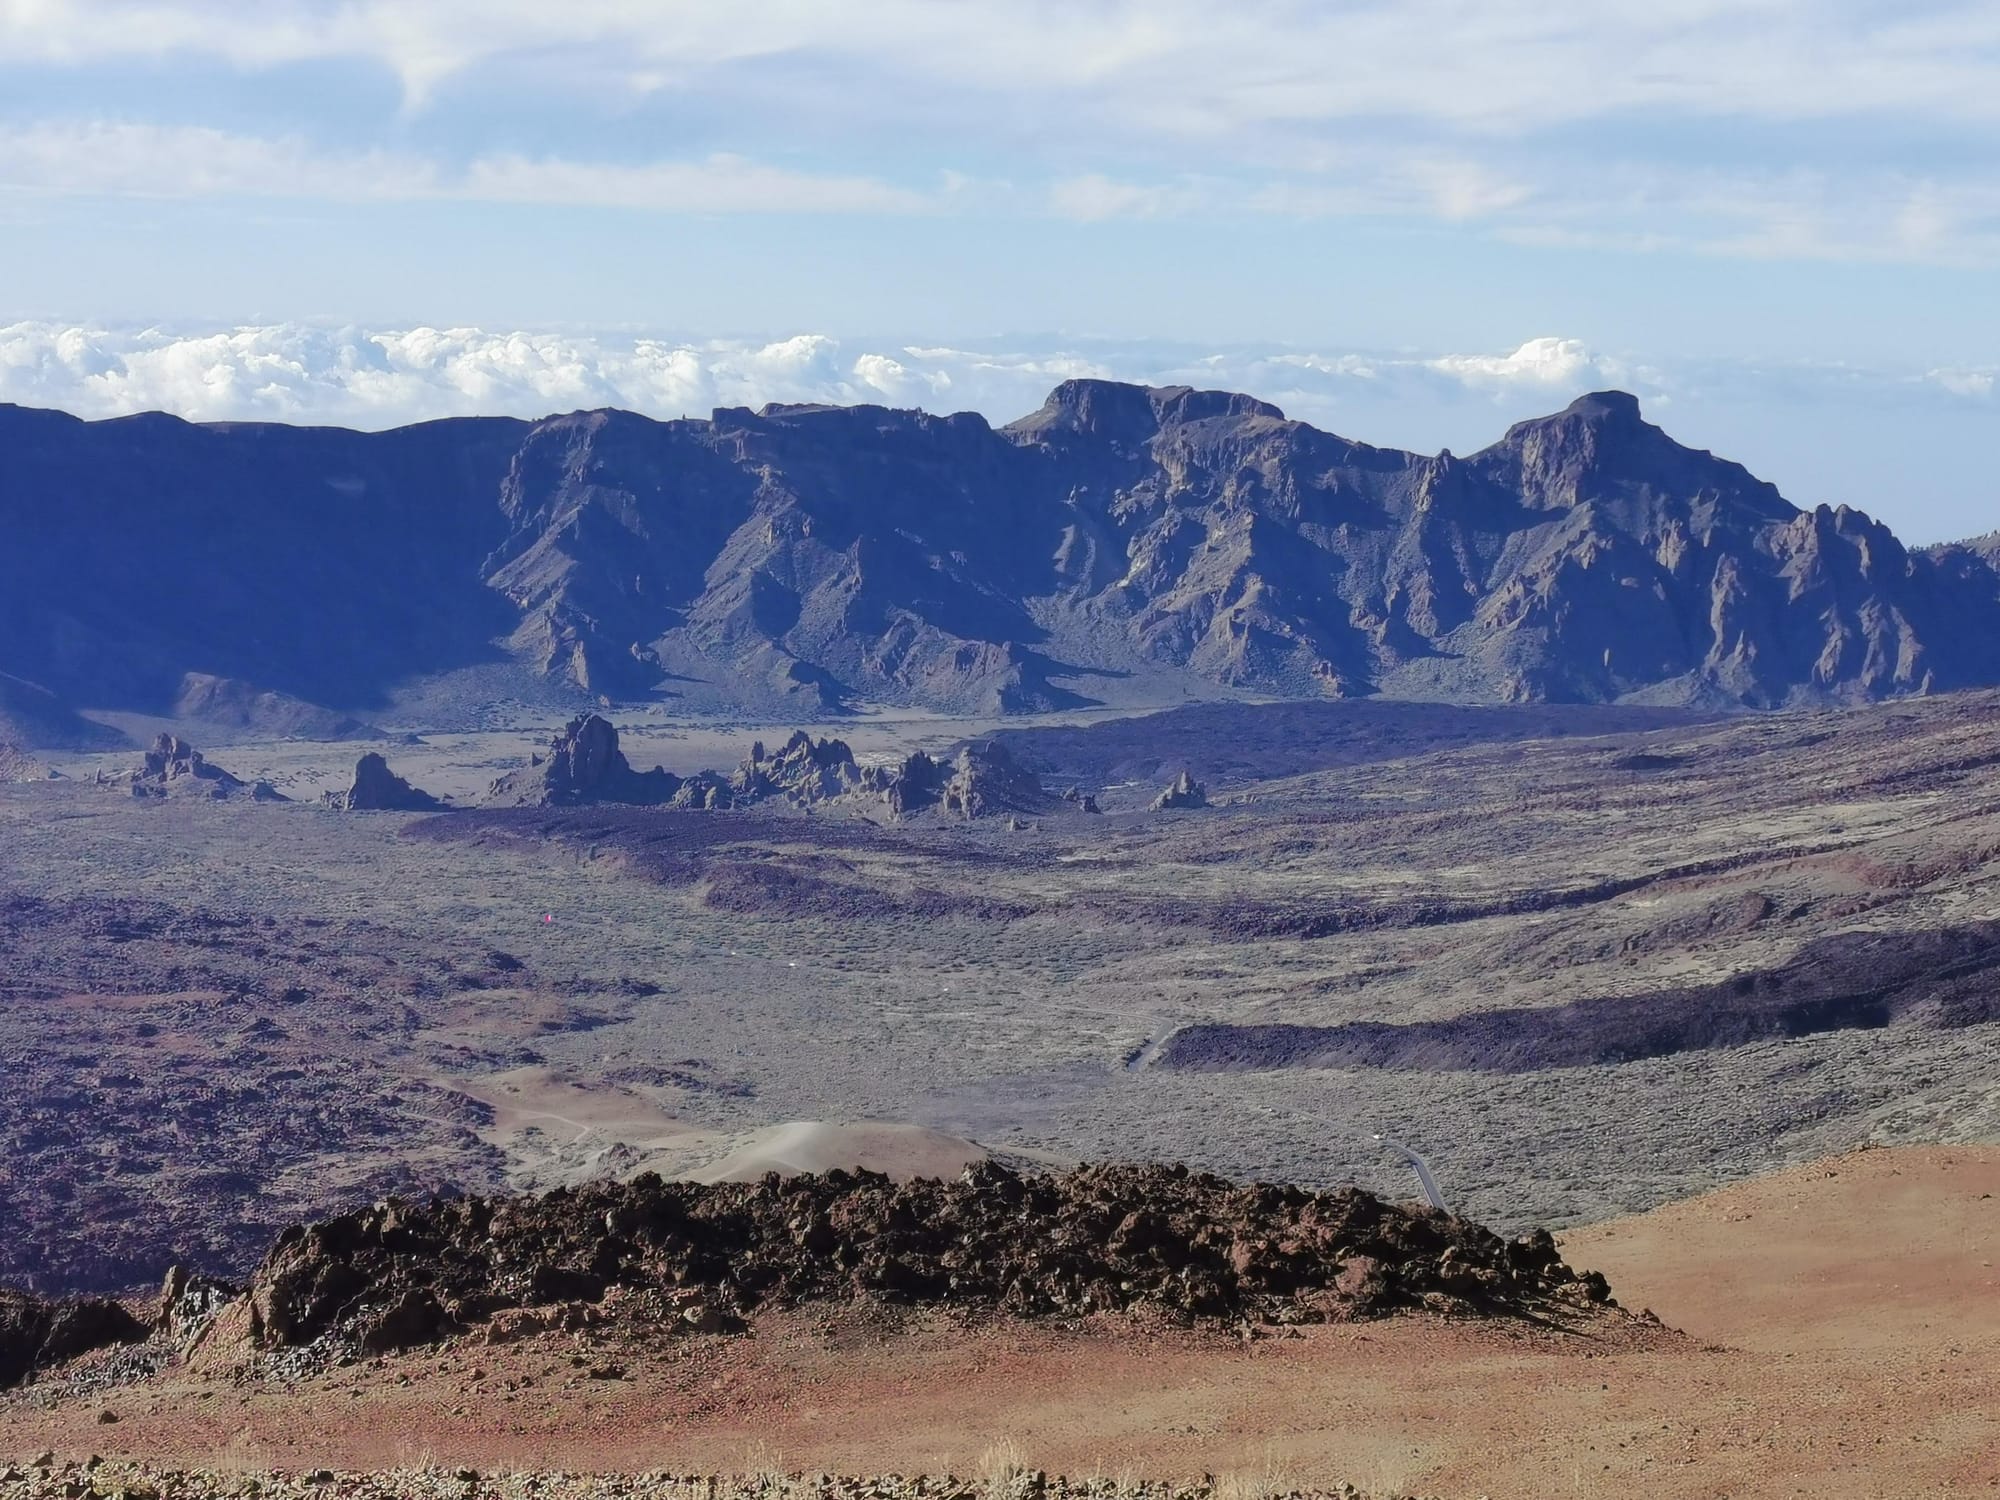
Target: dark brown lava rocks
{"x": 36, "y": 1332}
{"x": 1100, "y": 1238}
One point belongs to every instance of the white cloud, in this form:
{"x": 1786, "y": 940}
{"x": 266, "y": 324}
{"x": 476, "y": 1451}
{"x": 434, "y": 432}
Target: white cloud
{"x": 1649, "y": 124}
{"x": 186, "y": 162}
{"x": 378, "y": 378}
{"x": 102, "y": 157}
{"x": 1974, "y": 383}
{"x": 720, "y": 184}
{"x": 1886, "y": 217}
{"x": 1184, "y": 68}
{"x": 1546, "y": 361}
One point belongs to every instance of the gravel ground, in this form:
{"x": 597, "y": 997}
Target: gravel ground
{"x": 1002, "y": 1479}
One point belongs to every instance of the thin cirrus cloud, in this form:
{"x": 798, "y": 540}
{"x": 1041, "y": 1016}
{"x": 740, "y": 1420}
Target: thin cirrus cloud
{"x": 1179, "y": 67}
{"x": 1880, "y": 217}
{"x": 128, "y": 159}
{"x": 1856, "y": 130}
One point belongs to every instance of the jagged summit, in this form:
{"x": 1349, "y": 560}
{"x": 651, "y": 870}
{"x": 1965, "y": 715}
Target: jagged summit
{"x": 1123, "y": 543}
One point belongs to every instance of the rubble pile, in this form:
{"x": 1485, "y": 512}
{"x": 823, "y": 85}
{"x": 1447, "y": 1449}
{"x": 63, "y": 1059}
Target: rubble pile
{"x": 1097, "y": 1239}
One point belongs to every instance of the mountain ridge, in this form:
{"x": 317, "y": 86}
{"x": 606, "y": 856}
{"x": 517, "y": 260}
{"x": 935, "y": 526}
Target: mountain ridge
{"x": 1121, "y": 543}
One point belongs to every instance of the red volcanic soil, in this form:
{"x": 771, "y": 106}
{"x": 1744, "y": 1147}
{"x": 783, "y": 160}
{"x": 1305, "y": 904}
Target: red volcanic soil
{"x": 1841, "y": 1336}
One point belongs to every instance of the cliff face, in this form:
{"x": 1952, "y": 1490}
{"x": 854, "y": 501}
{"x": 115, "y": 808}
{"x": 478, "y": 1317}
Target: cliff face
{"x": 1119, "y": 542}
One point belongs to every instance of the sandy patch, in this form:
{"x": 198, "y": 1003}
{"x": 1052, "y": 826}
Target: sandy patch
{"x": 555, "y": 1130}
{"x": 898, "y": 1151}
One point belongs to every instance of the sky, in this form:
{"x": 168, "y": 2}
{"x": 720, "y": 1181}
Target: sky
{"x": 1412, "y": 221}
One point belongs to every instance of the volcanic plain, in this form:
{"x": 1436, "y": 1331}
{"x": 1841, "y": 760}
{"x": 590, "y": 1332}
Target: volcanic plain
{"x": 1586, "y": 961}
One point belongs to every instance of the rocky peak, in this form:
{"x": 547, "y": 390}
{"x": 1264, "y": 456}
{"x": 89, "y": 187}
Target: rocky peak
{"x": 586, "y": 753}
{"x": 1130, "y": 416}
{"x": 1600, "y": 449}
{"x": 172, "y": 757}
{"x": 1103, "y": 409}
{"x": 1605, "y": 409}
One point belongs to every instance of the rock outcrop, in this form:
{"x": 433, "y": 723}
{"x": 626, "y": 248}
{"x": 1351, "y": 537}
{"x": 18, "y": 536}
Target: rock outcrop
{"x": 188, "y": 1307}
{"x": 174, "y": 768}
{"x": 1183, "y": 792}
{"x": 1120, "y": 543}
{"x": 1096, "y": 1239}
{"x": 804, "y": 772}
{"x": 36, "y": 1333}
{"x": 376, "y": 788}
{"x": 584, "y": 764}
{"x": 986, "y": 781}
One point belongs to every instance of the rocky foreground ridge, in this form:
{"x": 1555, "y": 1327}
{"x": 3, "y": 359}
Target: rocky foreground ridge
{"x": 1121, "y": 543}
{"x": 700, "y": 1258}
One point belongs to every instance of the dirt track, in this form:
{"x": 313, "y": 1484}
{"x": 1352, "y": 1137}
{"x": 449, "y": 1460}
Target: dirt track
{"x": 1843, "y": 1327}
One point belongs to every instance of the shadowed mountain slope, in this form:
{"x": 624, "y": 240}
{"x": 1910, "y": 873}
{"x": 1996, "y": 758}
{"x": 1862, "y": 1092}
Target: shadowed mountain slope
{"x": 1119, "y": 544}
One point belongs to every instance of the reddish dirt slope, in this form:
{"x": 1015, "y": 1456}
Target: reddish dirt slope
{"x": 1843, "y": 1326}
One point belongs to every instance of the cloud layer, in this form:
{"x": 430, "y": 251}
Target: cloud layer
{"x": 1184, "y": 68}
{"x": 1854, "y": 130}
{"x": 297, "y": 373}
{"x": 302, "y": 373}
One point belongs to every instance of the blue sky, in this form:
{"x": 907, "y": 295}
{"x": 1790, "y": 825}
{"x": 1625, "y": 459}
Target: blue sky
{"x": 1411, "y": 220}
